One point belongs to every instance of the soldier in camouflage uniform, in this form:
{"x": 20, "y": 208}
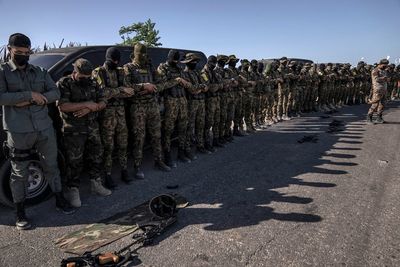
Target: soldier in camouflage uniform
{"x": 213, "y": 111}
{"x": 110, "y": 79}
{"x": 255, "y": 95}
{"x": 314, "y": 88}
{"x": 232, "y": 75}
{"x": 322, "y": 88}
{"x": 283, "y": 89}
{"x": 144, "y": 108}
{"x": 176, "y": 107}
{"x": 270, "y": 99}
{"x": 263, "y": 91}
{"x": 378, "y": 92}
{"x": 248, "y": 86}
{"x": 275, "y": 78}
{"x": 80, "y": 102}
{"x": 223, "y": 98}
{"x": 196, "y": 104}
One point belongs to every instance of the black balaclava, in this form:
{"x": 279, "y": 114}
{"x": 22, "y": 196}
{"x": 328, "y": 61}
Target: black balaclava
{"x": 212, "y": 62}
{"x": 173, "y": 57}
{"x": 232, "y": 63}
{"x": 260, "y": 67}
{"x": 112, "y": 54}
{"x": 192, "y": 65}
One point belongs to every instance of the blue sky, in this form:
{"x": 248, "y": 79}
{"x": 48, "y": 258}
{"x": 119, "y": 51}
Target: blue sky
{"x": 324, "y": 31}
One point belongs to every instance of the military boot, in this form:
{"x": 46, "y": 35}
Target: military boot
{"x": 188, "y": 153}
{"x": 168, "y": 159}
{"x": 160, "y": 165}
{"x": 63, "y": 205}
{"x": 379, "y": 119}
{"x": 222, "y": 140}
{"x": 22, "y": 222}
{"x": 237, "y": 132}
{"x": 229, "y": 138}
{"x": 202, "y": 150}
{"x": 71, "y": 194}
{"x": 97, "y": 188}
{"x": 109, "y": 182}
{"x": 182, "y": 156}
{"x": 126, "y": 177}
{"x": 138, "y": 173}
{"x": 216, "y": 143}
{"x": 209, "y": 148}
{"x": 369, "y": 119}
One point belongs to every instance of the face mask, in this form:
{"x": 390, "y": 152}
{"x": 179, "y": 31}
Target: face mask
{"x": 211, "y": 65}
{"x": 21, "y": 60}
{"x": 111, "y": 64}
{"x": 141, "y": 59}
{"x": 84, "y": 81}
{"x": 191, "y": 65}
{"x": 232, "y": 64}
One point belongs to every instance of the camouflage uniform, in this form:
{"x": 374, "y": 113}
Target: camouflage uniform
{"x": 196, "y": 103}
{"x": 283, "y": 89}
{"x": 81, "y": 136}
{"x": 176, "y": 107}
{"x": 223, "y": 96}
{"x": 112, "y": 118}
{"x": 213, "y": 111}
{"x": 379, "y": 91}
{"x": 144, "y": 107}
{"x": 232, "y": 95}
{"x": 248, "y": 86}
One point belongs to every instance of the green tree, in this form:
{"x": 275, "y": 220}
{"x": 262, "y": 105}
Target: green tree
{"x": 145, "y": 33}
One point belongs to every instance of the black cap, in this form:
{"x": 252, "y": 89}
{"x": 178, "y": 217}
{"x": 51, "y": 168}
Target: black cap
{"x": 384, "y": 61}
{"x": 19, "y": 40}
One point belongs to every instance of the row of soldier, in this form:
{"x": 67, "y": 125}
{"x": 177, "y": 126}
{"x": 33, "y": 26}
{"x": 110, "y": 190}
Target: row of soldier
{"x": 206, "y": 107}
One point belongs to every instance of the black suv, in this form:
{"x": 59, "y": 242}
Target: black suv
{"x": 58, "y": 62}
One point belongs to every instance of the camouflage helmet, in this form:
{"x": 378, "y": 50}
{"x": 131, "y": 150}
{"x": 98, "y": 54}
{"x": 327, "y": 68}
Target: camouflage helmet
{"x": 83, "y": 66}
{"x": 244, "y": 61}
{"x": 222, "y": 58}
{"x": 190, "y": 57}
{"x": 292, "y": 63}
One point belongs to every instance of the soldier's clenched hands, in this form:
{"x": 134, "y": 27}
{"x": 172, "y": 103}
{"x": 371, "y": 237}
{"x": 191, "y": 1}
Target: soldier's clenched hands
{"x": 38, "y": 99}
{"x": 128, "y": 91}
{"x": 148, "y": 88}
{"x": 82, "y": 112}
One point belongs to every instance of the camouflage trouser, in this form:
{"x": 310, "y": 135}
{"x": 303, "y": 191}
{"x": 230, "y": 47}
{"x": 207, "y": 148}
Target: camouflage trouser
{"x": 295, "y": 105}
{"x": 275, "y": 95}
{"x": 83, "y": 148}
{"x": 262, "y": 113}
{"x": 238, "y": 120}
{"x": 113, "y": 127}
{"x": 313, "y": 98}
{"x": 288, "y": 106}
{"x": 282, "y": 100}
{"x": 176, "y": 111}
{"x": 46, "y": 145}
{"x": 195, "y": 123}
{"x": 248, "y": 99}
{"x": 257, "y": 107}
{"x": 377, "y": 103}
{"x": 213, "y": 114}
{"x": 230, "y": 113}
{"x": 223, "y": 102}
{"x": 269, "y": 105}
{"x": 146, "y": 118}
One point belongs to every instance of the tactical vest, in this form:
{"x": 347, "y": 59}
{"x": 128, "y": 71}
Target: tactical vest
{"x": 113, "y": 79}
{"x": 78, "y": 94}
{"x": 173, "y": 73}
{"x": 210, "y": 76}
{"x": 141, "y": 75}
{"x": 193, "y": 77}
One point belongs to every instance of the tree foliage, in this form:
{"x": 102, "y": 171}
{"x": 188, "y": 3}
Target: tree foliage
{"x": 145, "y": 33}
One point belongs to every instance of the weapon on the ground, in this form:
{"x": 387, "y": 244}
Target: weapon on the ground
{"x": 163, "y": 208}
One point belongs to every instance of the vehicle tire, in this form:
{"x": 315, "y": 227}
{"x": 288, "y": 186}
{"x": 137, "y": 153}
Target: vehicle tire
{"x": 38, "y": 187}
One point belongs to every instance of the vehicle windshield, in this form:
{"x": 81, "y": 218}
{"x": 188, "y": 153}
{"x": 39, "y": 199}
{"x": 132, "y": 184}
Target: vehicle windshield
{"x": 45, "y": 61}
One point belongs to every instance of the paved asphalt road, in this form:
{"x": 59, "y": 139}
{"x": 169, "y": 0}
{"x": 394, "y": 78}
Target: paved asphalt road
{"x": 265, "y": 200}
